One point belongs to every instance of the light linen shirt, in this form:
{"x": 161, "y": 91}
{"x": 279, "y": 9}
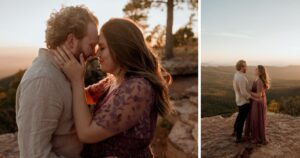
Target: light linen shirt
{"x": 241, "y": 88}
{"x": 44, "y": 112}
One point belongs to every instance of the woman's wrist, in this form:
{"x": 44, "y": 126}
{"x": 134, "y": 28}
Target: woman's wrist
{"x": 77, "y": 82}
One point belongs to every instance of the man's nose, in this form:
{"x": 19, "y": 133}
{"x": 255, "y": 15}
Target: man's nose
{"x": 97, "y": 54}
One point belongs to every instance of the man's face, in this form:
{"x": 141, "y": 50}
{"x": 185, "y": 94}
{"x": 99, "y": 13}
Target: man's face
{"x": 244, "y": 68}
{"x": 87, "y": 45}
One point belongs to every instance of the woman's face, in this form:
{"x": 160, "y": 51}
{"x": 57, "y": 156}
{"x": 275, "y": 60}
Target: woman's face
{"x": 256, "y": 72}
{"x": 104, "y": 57}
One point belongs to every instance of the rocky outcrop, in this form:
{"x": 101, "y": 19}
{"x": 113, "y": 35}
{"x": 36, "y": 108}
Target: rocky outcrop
{"x": 180, "y": 67}
{"x": 282, "y": 130}
{"x": 8, "y": 146}
{"x": 183, "y": 138}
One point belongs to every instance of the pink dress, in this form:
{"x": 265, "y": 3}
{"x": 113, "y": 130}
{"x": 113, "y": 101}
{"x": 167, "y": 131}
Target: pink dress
{"x": 129, "y": 111}
{"x": 255, "y": 130}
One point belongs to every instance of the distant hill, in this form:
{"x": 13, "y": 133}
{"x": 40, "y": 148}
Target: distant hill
{"x": 13, "y": 59}
{"x": 218, "y": 95}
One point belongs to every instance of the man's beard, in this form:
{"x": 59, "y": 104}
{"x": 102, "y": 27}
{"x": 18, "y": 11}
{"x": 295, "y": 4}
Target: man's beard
{"x": 78, "y": 52}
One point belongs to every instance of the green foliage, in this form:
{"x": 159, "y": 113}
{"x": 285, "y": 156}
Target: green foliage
{"x": 137, "y": 10}
{"x": 289, "y": 105}
{"x": 93, "y": 73}
{"x": 274, "y": 106}
{"x": 157, "y": 37}
{"x": 7, "y": 105}
{"x": 183, "y": 36}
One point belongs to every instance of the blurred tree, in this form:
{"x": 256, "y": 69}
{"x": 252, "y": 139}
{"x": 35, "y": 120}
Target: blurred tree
{"x": 93, "y": 73}
{"x": 185, "y": 35}
{"x": 138, "y": 10}
{"x": 274, "y": 106}
{"x": 290, "y": 105}
{"x": 3, "y": 95}
{"x": 7, "y": 105}
{"x": 157, "y": 37}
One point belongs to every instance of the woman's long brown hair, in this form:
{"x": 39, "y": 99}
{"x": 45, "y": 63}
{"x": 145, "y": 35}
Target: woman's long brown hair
{"x": 263, "y": 75}
{"x": 130, "y": 51}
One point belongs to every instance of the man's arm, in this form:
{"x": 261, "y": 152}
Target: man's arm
{"x": 37, "y": 117}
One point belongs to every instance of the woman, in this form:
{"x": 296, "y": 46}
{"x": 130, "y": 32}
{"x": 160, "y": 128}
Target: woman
{"x": 123, "y": 122}
{"x": 255, "y": 130}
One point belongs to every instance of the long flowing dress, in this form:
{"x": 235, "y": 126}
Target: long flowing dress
{"x": 129, "y": 111}
{"x": 255, "y": 130}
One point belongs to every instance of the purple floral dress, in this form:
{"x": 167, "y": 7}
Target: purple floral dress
{"x": 255, "y": 130}
{"x": 129, "y": 111}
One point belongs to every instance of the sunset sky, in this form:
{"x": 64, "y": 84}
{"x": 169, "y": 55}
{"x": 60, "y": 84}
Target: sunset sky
{"x": 23, "y": 22}
{"x": 259, "y": 31}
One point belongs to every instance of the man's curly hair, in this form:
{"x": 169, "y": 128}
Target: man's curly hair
{"x": 72, "y": 19}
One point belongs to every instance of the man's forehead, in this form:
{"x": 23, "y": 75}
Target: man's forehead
{"x": 92, "y": 31}
{"x": 101, "y": 38}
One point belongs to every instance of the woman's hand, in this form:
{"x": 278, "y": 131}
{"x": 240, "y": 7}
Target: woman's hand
{"x": 68, "y": 63}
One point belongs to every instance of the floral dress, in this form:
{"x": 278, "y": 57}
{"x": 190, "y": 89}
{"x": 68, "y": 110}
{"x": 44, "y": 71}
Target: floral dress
{"x": 255, "y": 130}
{"x": 127, "y": 110}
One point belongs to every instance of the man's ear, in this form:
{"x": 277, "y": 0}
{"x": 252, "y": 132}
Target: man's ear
{"x": 71, "y": 41}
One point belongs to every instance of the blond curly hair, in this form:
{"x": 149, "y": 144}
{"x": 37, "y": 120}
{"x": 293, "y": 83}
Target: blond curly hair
{"x": 71, "y": 19}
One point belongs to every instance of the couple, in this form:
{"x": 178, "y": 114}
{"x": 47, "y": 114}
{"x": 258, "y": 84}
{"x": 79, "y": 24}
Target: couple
{"x": 252, "y": 104}
{"x": 52, "y": 112}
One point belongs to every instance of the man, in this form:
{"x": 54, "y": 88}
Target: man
{"x": 44, "y": 97}
{"x": 242, "y": 96}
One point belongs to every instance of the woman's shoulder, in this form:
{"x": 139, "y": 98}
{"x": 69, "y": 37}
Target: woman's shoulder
{"x": 259, "y": 81}
{"x": 137, "y": 82}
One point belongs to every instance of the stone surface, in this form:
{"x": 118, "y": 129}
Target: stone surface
{"x": 283, "y": 131}
{"x": 9, "y": 146}
{"x": 180, "y": 67}
{"x": 194, "y": 100}
{"x": 192, "y": 91}
{"x": 181, "y": 138}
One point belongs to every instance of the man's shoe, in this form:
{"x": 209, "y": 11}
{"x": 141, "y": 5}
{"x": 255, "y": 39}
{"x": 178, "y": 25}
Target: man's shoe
{"x": 233, "y": 134}
{"x": 238, "y": 140}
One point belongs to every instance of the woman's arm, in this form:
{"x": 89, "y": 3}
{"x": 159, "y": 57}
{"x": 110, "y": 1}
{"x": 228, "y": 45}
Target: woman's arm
{"x": 87, "y": 130}
{"x": 257, "y": 94}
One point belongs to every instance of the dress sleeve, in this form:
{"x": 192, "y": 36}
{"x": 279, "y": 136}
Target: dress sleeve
{"x": 125, "y": 106}
{"x": 98, "y": 89}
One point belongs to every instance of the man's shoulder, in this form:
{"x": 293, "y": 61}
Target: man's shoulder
{"x": 240, "y": 76}
{"x": 42, "y": 70}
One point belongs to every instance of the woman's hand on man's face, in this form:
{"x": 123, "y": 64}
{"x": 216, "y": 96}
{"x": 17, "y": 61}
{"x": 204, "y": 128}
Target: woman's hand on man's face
{"x": 69, "y": 64}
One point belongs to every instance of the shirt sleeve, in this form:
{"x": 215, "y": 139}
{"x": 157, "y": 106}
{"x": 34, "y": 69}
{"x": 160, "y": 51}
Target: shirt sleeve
{"x": 243, "y": 86}
{"x": 37, "y": 118}
{"x": 126, "y": 106}
{"x": 98, "y": 89}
